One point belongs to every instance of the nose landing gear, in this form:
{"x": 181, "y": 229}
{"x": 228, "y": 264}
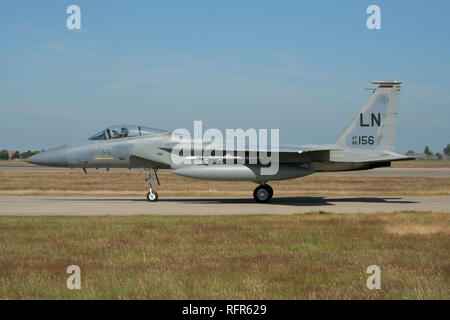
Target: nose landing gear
{"x": 263, "y": 193}
{"x": 152, "y": 195}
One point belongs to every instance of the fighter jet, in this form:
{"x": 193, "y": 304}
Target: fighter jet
{"x": 367, "y": 142}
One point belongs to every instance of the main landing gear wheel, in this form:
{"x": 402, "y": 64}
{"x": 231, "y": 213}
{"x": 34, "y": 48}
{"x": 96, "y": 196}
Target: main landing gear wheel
{"x": 263, "y": 193}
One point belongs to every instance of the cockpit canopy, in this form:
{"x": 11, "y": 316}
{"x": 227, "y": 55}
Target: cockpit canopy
{"x": 116, "y": 132}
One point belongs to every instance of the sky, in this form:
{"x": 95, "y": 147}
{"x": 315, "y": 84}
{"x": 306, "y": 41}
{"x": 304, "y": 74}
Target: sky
{"x": 299, "y": 66}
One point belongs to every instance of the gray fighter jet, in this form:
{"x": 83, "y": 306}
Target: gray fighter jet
{"x": 367, "y": 142}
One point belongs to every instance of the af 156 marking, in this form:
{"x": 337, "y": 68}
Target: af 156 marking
{"x": 363, "y": 140}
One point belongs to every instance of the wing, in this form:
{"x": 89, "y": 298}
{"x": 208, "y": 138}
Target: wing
{"x": 286, "y": 153}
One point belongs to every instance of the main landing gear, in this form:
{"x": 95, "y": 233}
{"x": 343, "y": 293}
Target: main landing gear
{"x": 263, "y": 193}
{"x": 152, "y": 195}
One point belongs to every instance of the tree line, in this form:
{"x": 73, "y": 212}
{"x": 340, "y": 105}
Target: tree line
{"x": 427, "y": 152}
{"x": 12, "y": 155}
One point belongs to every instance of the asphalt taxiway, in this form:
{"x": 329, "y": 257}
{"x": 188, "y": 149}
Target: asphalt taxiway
{"x": 16, "y": 205}
{"x": 129, "y": 205}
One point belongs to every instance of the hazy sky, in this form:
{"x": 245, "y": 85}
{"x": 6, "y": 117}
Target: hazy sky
{"x": 300, "y": 66}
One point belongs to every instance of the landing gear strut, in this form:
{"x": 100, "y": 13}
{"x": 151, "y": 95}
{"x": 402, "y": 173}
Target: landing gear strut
{"x": 152, "y": 195}
{"x": 263, "y": 193}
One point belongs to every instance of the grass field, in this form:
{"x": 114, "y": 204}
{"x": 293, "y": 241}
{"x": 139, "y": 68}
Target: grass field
{"x": 422, "y": 164}
{"x": 75, "y": 182}
{"x": 310, "y": 256}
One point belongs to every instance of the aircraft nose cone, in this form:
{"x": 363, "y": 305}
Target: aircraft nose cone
{"x": 56, "y": 157}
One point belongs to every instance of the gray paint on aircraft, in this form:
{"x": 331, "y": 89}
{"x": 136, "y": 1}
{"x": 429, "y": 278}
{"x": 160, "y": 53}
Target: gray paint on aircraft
{"x": 367, "y": 142}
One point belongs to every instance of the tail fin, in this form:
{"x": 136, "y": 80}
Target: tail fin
{"x": 375, "y": 125}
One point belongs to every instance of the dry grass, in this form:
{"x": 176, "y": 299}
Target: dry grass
{"x": 15, "y": 163}
{"x": 312, "y": 256}
{"x": 417, "y": 229}
{"x": 422, "y": 164}
{"x": 74, "y": 182}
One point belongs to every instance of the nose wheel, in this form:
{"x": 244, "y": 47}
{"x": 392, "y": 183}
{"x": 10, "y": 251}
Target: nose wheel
{"x": 152, "y": 195}
{"x": 263, "y": 193}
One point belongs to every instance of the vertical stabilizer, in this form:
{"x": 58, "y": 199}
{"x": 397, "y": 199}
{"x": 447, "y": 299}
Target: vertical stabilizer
{"x": 375, "y": 125}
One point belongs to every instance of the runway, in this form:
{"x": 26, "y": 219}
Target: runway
{"x": 128, "y": 205}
